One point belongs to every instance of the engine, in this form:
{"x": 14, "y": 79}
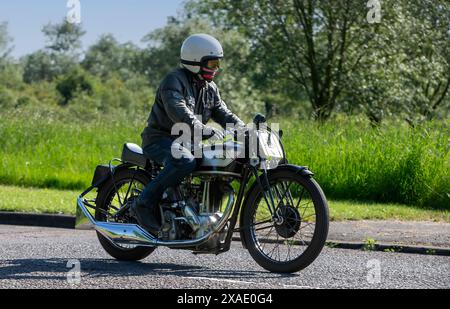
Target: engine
{"x": 195, "y": 209}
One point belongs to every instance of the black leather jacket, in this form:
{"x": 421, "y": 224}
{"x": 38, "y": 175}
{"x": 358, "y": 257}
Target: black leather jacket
{"x": 180, "y": 97}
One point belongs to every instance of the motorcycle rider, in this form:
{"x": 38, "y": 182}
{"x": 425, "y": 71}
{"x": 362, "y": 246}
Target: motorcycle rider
{"x": 183, "y": 96}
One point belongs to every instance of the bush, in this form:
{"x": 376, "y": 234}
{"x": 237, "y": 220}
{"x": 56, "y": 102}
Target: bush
{"x": 76, "y": 81}
{"x": 7, "y": 99}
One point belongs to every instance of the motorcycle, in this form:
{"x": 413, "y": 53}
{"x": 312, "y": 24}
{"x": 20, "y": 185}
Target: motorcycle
{"x": 278, "y": 209}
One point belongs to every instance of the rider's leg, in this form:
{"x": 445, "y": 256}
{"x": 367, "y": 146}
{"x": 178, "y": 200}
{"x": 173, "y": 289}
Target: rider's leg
{"x": 173, "y": 173}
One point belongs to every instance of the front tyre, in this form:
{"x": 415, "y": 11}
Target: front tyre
{"x": 293, "y": 238}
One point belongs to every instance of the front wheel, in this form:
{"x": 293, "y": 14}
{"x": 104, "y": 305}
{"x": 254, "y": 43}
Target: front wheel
{"x": 292, "y": 238}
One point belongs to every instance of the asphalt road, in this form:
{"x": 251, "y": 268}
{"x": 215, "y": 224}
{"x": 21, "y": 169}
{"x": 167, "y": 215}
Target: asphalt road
{"x": 38, "y": 257}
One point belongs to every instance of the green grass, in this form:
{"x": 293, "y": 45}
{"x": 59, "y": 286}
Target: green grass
{"x": 44, "y": 153}
{"x": 393, "y": 163}
{"x": 352, "y": 160}
{"x": 32, "y": 200}
{"x": 355, "y": 210}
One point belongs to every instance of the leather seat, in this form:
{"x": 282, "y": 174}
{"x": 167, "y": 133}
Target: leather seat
{"x": 134, "y": 154}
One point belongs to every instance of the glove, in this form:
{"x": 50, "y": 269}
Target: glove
{"x": 214, "y": 134}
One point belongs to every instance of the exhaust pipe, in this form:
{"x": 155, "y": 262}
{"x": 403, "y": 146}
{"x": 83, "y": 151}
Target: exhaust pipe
{"x": 124, "y": 234}
{"x": 132, "y": 234}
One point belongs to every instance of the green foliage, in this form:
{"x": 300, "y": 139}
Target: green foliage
{"x": 74, "y": 82}
{"x": 108, "y": 57}
{"x": 64, "y": 37}
{"x": 351, "y": 160}
{"x": 5, "y": 49}
{"x": 390, "y": 163}
{"x": 60, "y": 56}
{"x": 61, "y": 115}
{"x": 327, "y": 52}
{"x": 370, "y": 244}
{"x": 7, "y": 98}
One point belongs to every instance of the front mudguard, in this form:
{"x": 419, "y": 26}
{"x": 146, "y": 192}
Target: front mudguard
{"x": 301, "y": 170}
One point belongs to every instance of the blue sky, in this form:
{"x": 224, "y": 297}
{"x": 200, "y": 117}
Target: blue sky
{"x": 128, "y": 20}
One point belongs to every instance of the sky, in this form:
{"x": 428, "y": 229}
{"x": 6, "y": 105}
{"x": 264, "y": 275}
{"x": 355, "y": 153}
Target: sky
{"x": 127, "y": 20}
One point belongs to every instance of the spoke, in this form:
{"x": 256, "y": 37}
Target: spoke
{"x": 262, "y": 222}
{"x": 273, "y": 250}
{"x": 301, "y": 239}
{"x": 288, "y": 191}
{"x": 304, "y": 210}
{"x": 129, "y": 189}
{"x": 266, "y": 236}
{"x": 300, "y": 198}
{"x": 306, "y": 217}
{"x": 264, "y": 228}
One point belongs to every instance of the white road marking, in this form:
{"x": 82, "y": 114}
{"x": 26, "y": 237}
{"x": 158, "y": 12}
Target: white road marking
{"x": 287, "y": 286}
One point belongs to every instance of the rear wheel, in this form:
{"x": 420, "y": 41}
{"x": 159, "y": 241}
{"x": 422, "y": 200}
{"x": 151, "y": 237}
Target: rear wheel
{"x": 112, "y": 197}
{"x": 293, "y": 238}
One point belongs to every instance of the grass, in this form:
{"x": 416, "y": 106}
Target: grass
{"x": 393, "y": 163}
{"x": 32, "y": 200}
{"x": 352, "y": 160}
{"x": 356, "y": 210}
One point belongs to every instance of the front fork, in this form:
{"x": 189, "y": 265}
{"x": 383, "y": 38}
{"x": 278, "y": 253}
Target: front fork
{"x": 267, "y": 191}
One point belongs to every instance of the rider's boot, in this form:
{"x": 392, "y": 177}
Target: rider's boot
{"x": 146, "y": 217}
{"x": 147, "y": 210}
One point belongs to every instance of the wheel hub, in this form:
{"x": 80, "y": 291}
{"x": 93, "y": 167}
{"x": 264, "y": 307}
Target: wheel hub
{"x": 289, "y": 221}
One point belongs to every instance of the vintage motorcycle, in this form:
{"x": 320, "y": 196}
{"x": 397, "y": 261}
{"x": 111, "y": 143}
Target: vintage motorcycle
{"x": 278, "y": 210}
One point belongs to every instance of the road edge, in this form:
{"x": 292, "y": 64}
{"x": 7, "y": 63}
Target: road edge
{"x": 68, "y": 222}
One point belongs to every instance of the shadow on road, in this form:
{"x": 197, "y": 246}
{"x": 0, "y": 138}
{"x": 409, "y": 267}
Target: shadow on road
{"x": 56, "y": 269}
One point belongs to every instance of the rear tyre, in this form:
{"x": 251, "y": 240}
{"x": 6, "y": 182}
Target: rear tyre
{"x": 127, "y": 185}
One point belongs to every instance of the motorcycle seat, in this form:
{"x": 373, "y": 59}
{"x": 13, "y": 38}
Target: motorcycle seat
{"x": 134, "y": 154}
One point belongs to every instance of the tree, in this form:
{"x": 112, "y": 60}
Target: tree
{"x": 5, "y": 48}
{"x": 107, "y": 57}
{"x": 64, "y": 38}
{"x": 408, "y": 71}
{"x": 329, "y": 53}
{"x": 429, "y": 77}
{"x": 60, "y": 55}
{"x": 302, "y": 44}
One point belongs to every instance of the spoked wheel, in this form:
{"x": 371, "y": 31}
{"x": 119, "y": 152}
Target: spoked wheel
{"x": 112, "y": 202}
{"x": 292, "y": 238}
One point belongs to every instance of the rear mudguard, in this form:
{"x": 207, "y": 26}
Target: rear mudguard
{"x": 301, "y": 170}
{"x": 104, "y": 173}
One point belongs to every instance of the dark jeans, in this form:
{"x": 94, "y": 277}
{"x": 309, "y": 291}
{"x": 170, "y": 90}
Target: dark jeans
{"x": 174, "y": 169}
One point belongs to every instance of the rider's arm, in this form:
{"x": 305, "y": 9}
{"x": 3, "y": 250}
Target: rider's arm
{"x": 222, "y": 115}
{"x": 175, "y": 103}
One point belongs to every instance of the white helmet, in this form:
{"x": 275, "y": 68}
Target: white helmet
{"x": 198, "y": 49}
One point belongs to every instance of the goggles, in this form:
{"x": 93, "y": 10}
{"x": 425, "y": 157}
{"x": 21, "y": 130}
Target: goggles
{"x": 213, "y": 64}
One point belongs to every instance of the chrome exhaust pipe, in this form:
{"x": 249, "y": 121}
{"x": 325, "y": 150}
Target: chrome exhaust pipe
{"x": 124, "y": 234}
{"x": 132, "y": 234}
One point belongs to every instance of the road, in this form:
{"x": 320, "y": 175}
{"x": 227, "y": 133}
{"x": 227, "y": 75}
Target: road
{"x": 38, "y": 257}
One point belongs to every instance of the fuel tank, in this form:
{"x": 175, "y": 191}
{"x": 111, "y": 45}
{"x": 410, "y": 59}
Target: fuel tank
{"x": 222, "y": 158}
